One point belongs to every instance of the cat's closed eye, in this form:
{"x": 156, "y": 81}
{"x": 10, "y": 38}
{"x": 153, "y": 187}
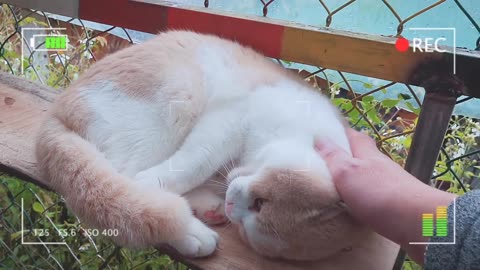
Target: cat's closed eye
{"x": 257, "y": 204}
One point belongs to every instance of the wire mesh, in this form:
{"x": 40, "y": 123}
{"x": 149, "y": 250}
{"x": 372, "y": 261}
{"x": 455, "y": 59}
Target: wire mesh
{"x": 389, "y": 118}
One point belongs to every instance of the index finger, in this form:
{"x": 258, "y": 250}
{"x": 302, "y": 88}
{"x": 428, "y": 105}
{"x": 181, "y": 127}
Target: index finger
{"x": 362, "y": 146}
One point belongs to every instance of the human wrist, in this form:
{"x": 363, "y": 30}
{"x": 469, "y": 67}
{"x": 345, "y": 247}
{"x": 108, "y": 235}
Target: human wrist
{"x": 397, "y": 213}
{"x": 426, "y": 199}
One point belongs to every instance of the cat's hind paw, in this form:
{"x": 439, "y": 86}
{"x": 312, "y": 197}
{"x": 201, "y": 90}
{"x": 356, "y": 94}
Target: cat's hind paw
{"x": 213, "y": 216}
{"x": 207, "y": 206}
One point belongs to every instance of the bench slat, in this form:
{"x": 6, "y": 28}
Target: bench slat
{"x": 22, "y": 106}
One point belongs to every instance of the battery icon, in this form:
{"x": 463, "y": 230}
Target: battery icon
{"x": 56, "y": 42}
{"x": 49, "y": 42}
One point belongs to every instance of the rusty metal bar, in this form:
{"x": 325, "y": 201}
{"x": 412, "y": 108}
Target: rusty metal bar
{"x": 427, "y": 141}
{"x": 60, "y": 7}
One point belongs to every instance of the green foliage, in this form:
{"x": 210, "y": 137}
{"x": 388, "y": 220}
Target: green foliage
{"x": 454, "y": 164}
{"x": 47, "y": 219}
{"x": 60, "y": 68}
{"x": 411, "y": 265}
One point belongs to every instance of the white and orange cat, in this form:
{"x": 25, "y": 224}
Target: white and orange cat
{"x": 182, "y": 114}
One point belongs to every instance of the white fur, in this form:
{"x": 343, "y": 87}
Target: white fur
{"x": 253, "y": 124}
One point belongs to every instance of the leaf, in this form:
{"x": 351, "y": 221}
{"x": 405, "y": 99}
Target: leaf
{"x": 288, "y": 63}
{"x": 413, "y": 109}
{"x": 30, "y": 20}
{"x": 372, "y": 115}
{"x": 84, "y": 247}
{"x": 404, "y": 96}
{"x": 354, "y": 114}
{"x": 37, "y": 207}
{"x": 339, "y": 101}
{"x": 390, "y": 103}
{"x": 47, "y": 200}
{"x": 469, "y": 174}
{"x": 70, "y": 225}
{"x": 26, "y": 63}
{"x": 163, "y": 261}
{"x": 10, "y": 54}
{"x": 368, "y": 85}
{"x": 407, "y": 142}
{"x": 15, "y": 235}
{"x": 102, "y": 41}
{"x": 24, "y": 258}
{"x": 368, "y": 99}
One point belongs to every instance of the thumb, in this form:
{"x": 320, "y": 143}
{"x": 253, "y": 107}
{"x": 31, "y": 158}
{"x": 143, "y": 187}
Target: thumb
{"x": 334, "y": 156}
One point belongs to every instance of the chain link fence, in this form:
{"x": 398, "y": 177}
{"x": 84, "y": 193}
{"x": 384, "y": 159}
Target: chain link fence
{"x": 386, "y": 110}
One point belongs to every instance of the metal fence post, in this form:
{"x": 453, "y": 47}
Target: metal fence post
{"x": 427, "y": 141}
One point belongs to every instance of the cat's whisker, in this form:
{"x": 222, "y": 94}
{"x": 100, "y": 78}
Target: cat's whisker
{"x": 216, "y": 181}
{"x": 224, "y": 166}
{"x": 270, "y": 228}
{"x": 231, "y": 163}
{"x": 221, "y": 174}
{"x": 276, "y": 233}
{"x": 218, "y": 185}
{"x": 221, "y": 190}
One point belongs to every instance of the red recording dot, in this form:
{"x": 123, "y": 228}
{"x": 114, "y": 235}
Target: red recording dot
{"x": 402, "y": 44}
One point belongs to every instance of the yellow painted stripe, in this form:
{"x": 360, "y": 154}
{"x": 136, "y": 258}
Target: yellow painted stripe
{"x": 427, "y": 215}
{"x": 349, "y": 52}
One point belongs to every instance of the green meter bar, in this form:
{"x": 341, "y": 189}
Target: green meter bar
{"x": 56, "y": 42}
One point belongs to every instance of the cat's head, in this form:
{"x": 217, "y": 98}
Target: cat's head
{"x": 290, "y": 212}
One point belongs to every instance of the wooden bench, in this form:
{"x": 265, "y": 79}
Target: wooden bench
{"x": 24, "y": 103}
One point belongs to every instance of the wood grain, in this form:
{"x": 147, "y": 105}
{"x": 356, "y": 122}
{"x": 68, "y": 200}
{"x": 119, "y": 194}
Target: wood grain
{"x": 364, "y": 54}
{"x": 24, "y": 104}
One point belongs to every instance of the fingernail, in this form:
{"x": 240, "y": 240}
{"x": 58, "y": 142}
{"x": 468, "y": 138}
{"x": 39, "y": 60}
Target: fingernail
{"x": 324, "y": 145}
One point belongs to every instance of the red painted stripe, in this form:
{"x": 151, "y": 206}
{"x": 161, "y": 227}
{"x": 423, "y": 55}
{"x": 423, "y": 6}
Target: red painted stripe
{"x": 263, "y": 36}
{"x": 124, "y": 13}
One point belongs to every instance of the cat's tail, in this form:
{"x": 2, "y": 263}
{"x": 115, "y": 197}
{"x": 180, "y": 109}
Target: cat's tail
{"x": 103, "y": 198}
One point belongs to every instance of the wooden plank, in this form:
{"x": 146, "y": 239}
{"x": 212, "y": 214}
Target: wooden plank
{"x": 23, "y": 105}
{"x": 368, "y": 55}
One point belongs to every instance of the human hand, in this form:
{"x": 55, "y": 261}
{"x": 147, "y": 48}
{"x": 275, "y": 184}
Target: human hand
{"x": 379, "y": 193}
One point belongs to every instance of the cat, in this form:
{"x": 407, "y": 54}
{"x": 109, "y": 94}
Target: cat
{"x": 183, "y": 113}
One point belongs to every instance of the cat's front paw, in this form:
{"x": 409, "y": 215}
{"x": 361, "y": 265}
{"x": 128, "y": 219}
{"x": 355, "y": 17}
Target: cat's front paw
{"x": 199, "y": 241}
